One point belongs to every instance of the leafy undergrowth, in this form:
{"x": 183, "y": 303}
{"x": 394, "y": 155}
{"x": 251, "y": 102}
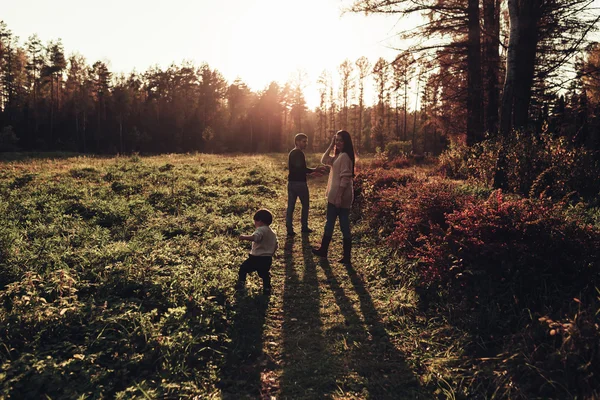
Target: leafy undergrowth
{"x": 510, "y": 285}
{"x": 534, "y": 165}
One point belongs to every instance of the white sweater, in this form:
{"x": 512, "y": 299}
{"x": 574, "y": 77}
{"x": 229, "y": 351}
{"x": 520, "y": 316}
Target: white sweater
{"x": 264, "y": 241}
{"x": 340, "y": 179}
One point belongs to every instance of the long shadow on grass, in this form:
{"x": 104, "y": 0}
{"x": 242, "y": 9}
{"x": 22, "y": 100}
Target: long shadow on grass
{"x": 390, "y": 370}
{"x": 308, "y": 372}
{"x": 382, "y": 371}
{"x": 240, "y": 376}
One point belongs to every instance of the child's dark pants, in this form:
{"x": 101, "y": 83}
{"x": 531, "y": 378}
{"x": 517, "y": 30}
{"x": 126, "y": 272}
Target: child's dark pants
{"x": 260, "y": 264}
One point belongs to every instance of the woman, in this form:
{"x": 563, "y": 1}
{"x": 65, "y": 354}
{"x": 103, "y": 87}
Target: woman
{"x": 340, "y": 192}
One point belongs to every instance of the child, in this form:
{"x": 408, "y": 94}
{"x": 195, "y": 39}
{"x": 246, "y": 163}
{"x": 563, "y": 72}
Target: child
{"x": 264, "y": 245}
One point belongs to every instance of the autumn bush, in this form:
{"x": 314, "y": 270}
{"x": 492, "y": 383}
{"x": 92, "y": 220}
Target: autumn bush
{"x": 398, "y": 154}
{"x": 536, "y": 165}
{"x": 476, "y": 163}
{"x": 395, "y": 149}
{"x": 514, "y": 252}
{"x": 500, "y": 267}
{"x": 456, "y": 235}
{"x": 372, "y": 189}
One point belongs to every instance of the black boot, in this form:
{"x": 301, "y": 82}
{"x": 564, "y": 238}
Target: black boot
{"x": 240, "y": 286}
{"x": 347, "y": 251}
{"x": 266, "y": 278}
{"x": 322, "y": 251}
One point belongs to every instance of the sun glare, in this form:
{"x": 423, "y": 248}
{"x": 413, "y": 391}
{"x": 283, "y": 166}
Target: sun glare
{"x": 258, "y": 41}
{"x": 275, "y": 39}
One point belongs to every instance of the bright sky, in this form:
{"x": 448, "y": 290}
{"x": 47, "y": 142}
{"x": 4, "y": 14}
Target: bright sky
{"x": 257, "y": 40}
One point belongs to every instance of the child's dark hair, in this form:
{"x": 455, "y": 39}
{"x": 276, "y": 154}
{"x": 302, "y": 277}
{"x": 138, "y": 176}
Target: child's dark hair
{"x": 264, "y": 215}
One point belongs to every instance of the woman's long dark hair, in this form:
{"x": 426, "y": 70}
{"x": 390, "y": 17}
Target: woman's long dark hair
{"x": 348, "y": 147}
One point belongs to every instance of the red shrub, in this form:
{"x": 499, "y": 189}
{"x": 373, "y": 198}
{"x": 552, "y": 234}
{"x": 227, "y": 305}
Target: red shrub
{"x": 400, "y": 162}
{"x": 519, "y": 250}
{"x": 495, "y": 266}
{"x": 515, "y": 248}
{"x": 525, "y": 252}
{"x": 373, "y": 185}
{"x": 421, "y": 212}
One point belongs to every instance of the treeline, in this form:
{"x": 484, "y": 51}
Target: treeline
{"x": 480, "y": 67}
{"x": 51, "y": 101}
{"x": 489, "y": 67}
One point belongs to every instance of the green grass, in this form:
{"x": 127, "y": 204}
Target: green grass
{"x": 117, "y": 281}
{"x": 117, "y": 275}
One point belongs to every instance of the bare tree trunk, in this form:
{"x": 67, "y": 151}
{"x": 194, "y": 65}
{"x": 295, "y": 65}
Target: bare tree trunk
{"x": 121, "y": 133}
{"x": 416, "y": 104}
{"x": 360, "y": 116}
{"x": 84, "y": 132}
{"x": 506, "y": 110}
{"x": 51, "y": 109}
{"x": 325, "y": 121}
{"x": 491, "y": 17}
{"x": 397, "y": 119}
{"x": 389, "y": 114}
{"x": 508, "y": 94}
{"x": 475, "y": 92}
{"x": 526, "y": 53}
{"x": 405, "y": 108}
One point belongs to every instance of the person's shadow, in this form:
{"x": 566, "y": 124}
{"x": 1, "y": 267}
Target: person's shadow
{"x": 242, "y": 368}
{"x": 307, "y": 366}
{"x": 370, "y": 352}
{"x": 389, "y": 375}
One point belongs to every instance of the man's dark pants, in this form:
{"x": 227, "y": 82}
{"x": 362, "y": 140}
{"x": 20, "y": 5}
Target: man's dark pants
{"x": 295, "y": 190}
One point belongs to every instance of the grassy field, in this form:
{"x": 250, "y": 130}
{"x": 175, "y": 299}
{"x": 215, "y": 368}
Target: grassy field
{"x": 117, "y": 276}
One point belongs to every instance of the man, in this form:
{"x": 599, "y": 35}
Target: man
{"x": 297, "y": 186}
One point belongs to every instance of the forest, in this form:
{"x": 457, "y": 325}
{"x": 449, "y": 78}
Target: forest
{"x": 473, "y": 76}
{"x": 475, "y": 269}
